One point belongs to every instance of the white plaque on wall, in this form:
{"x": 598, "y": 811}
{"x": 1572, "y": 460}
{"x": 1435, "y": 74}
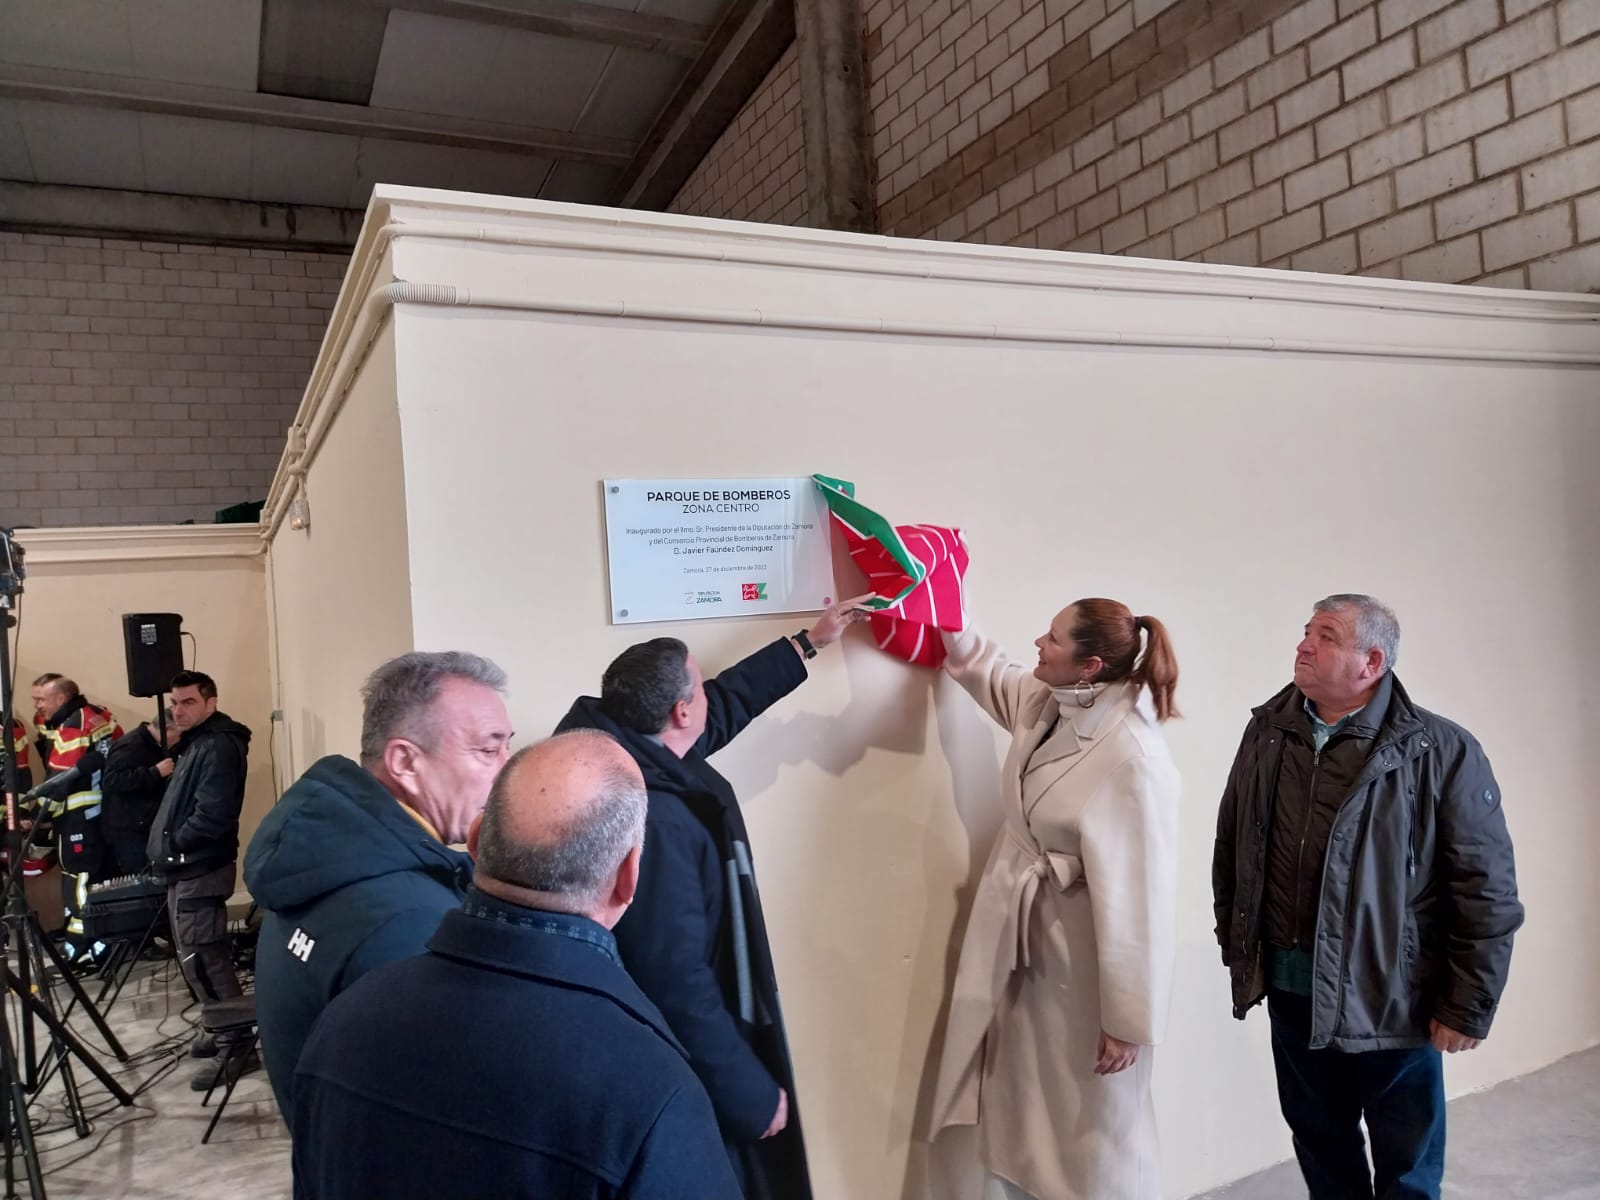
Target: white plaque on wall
{"x": 680, "y": 549}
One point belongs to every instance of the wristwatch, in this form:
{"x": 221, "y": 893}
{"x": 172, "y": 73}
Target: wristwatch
{"x": 806, "y": 648}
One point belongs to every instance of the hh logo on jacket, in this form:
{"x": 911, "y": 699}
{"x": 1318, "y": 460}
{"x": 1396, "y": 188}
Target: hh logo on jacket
{"x": 300, "y": 945}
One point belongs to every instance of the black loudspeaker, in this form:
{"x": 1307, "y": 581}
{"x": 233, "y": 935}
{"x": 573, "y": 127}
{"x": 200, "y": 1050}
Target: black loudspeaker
{"x": 155, "y": 651}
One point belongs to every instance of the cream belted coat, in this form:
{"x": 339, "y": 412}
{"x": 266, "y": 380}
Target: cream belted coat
{"x": 1071, "y": 932}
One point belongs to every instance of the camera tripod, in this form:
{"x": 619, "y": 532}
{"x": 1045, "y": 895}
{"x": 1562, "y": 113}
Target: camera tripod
{"x": 20, "y": 926}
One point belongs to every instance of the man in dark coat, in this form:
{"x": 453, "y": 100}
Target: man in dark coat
{"x": 515, "y": 1059}
{"x": 132, "y": 784}
{"x": 194, "y": 846}
{"x": 695, "y": 938}
{"x": 354, "y": 866}
{"x": 1365, "y": 886}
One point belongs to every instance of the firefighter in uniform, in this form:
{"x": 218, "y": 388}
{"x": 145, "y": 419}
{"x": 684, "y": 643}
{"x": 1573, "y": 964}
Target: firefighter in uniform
{"x": 19, "y": 742}
{"x": 69, "y": 727}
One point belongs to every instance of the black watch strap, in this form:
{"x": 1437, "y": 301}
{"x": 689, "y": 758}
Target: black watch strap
{"x": 806, "y": 648}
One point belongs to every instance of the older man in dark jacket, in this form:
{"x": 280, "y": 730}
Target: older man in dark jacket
{"x": 1364, "y": 885}
{"x": 515, "y": 1059}
{"x": 695, "y": 938}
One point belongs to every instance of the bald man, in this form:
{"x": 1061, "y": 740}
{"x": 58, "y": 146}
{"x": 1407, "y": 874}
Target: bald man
{"x": 516, "y": 1058}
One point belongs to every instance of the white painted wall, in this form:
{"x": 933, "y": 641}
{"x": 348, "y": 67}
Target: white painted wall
{"x": 340, "y": 589}
{"x": 80, "y": 582}
{"x": 1110, "y": 445}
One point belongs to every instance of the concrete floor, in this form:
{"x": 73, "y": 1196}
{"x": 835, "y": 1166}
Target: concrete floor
{"x": 152, "y": 1150}
{"x": 1535, "y": 1138}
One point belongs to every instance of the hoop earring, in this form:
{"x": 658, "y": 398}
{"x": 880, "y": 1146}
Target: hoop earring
{"x": 1078, "y": 691}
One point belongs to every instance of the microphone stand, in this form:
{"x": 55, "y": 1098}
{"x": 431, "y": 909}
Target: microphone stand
{"x": 13, "y": 1098}
{"x": 27, "y": 981}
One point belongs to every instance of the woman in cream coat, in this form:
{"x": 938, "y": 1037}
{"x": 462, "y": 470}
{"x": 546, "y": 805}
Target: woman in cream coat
{"x": 1066, "y": 970}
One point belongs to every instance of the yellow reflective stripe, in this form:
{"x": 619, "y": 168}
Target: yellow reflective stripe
{"x": 74, "y": 802}
{"x": 95, "y": 721}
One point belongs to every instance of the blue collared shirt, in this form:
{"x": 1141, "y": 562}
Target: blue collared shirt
{"x": 580, "y": 929}
{"x": 1321, "y": 731}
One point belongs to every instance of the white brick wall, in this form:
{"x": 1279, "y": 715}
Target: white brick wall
{"x": 1328, "y": 135}
{"x": 1448, "y": 140}
{"x": 149, "y": 382}
{"x": 756, "y": 169}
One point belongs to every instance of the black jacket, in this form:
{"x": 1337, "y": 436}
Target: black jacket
{"x": 130, "y": 786}
{"x": 1417, "y": 901}
{"x": 514, "y": 1060}
{"x": 682, "y": 939}
{"x": 349, "y": 881}
{"x": 196, "y": 828}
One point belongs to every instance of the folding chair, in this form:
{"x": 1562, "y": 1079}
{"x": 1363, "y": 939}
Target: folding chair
{"x": 228, "y": 1021}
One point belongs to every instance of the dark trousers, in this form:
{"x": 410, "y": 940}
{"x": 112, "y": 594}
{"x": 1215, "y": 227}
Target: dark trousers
{"x": 198, "y": 909}
{"x": 79, "y": 846}
{"x": 1325, "y": 1094}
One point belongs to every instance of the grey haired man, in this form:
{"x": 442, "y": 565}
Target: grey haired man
{"x": 1365, "y": 887}
{"x": 354, "y": 866}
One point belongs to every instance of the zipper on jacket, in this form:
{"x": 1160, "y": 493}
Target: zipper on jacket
{"x": 1305, "y": 833}
{"x": 1411, "y": 867}
{"x": 1411, "y": 833}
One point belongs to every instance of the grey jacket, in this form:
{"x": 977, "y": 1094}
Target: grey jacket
{"x": 1418, "y": 898}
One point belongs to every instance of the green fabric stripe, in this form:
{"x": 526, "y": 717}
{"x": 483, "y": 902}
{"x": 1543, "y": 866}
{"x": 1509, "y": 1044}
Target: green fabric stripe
{"x": 840, "y": 495}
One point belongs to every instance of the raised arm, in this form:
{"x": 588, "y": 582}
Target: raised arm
{"x": 748, "y": 688}
{"x": 993, "y": 680}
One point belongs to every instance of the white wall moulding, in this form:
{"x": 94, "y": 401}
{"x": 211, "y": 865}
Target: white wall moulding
{"x": 1217, "y": 446}
{"x": 1095, "y": 300}
{"x": 980, "y": 264}
{"x": 138, "y": 543}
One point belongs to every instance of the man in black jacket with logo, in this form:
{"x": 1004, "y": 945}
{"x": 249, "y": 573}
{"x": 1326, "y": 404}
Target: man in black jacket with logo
{"x": 1364, "y": 885}
{"x": 194, "y": 845}
{"x": 696, "y": 943}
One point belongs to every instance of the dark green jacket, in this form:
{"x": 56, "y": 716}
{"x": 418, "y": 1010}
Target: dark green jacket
{"x": 1417, "y": 903}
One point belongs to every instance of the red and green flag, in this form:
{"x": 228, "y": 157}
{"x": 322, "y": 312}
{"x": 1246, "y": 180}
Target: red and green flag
{"x": 917, "y": 571}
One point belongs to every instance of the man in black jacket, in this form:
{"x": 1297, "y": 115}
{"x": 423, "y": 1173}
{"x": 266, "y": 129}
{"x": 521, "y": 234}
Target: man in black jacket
{"x": 132, "y": 783}
{"x": 1364, "y": 885}
{"x": 194, "y": 845}
{"x": 696, "y": 945}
